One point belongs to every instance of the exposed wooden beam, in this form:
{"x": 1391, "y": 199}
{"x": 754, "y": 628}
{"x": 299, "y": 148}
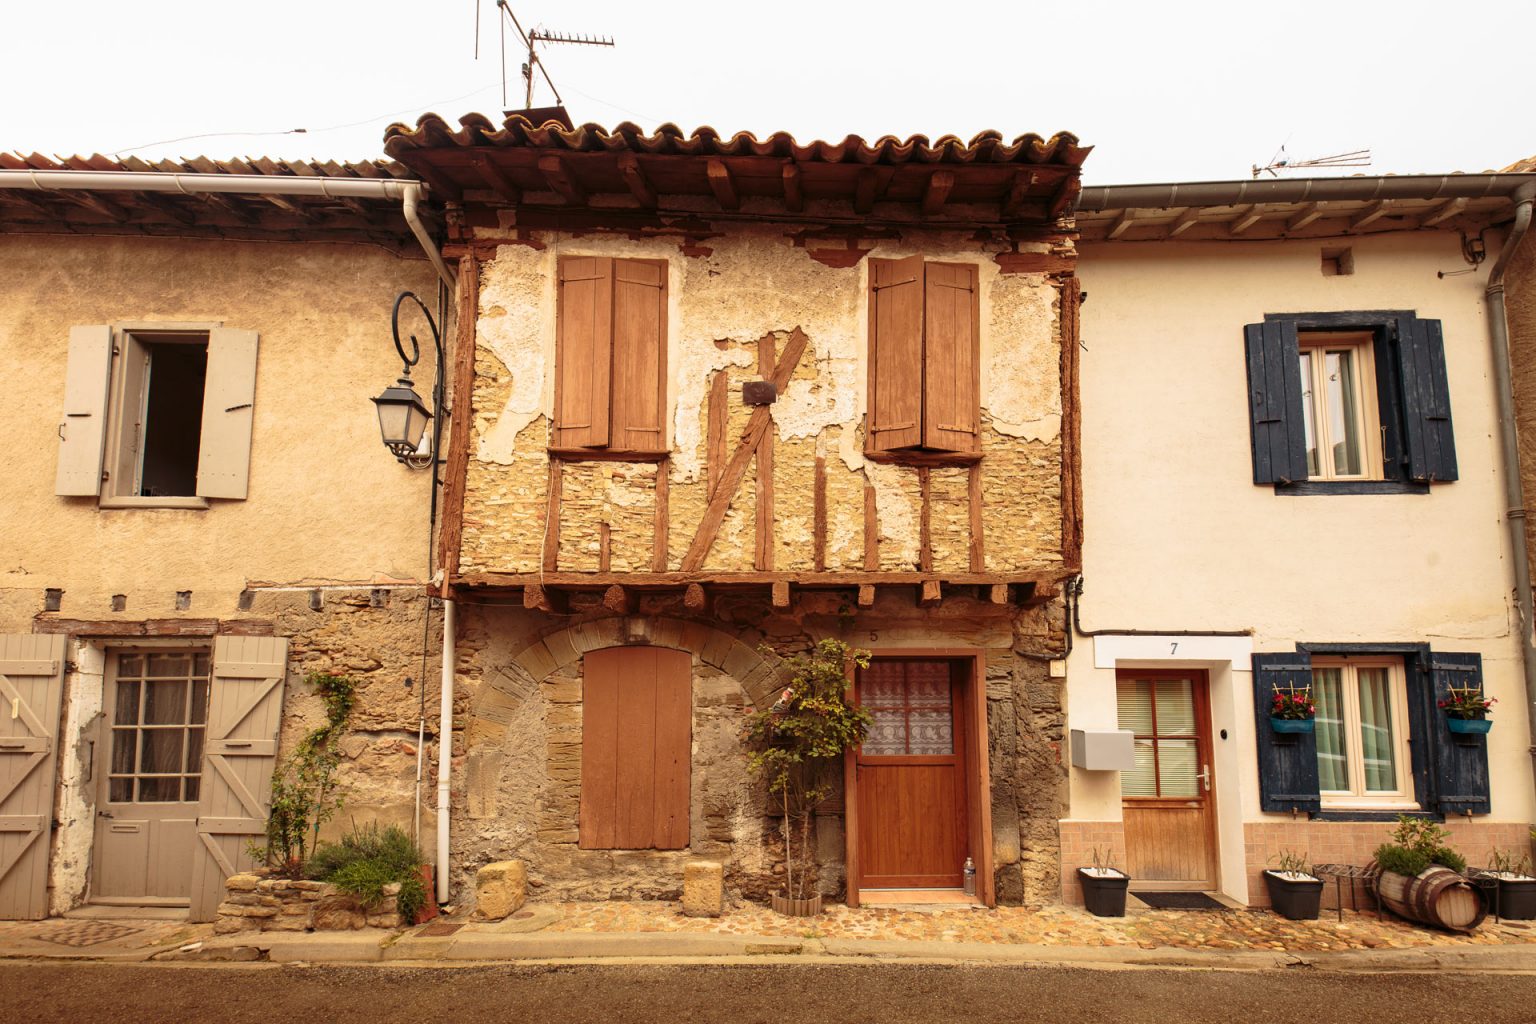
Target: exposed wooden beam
{"x": 662, "y": 539}
{"x": 619, "y": 600}
{"x": 461, "y": 413}
{"x": 925, "y": 520}
{"x": 1245, "y": 220}
{"x": 604, "y": 547}
{"x": 1065, "y": 196}
{"x": 1308, "y": 214}
{"x": 819, "y": 516}
{"x": 634, "y": 177}
{"x": 936, "y": 192}
{"x": 695, "y": 598}
{"x": 169, "y": 207}
{"x": 557, "y": 173}
{"x": 538, "y": 597}
{"x": 866, "y": 595}
{"x": 283, "y": 203}
{"x": 871, "y": 528}
{"x": 32, "y": 203}
{"x": 794, "y": 198}
{"x": 1375, "y": 212}
{"x": 997, "y": 593}
{"x": 571, "y": 579}
{"x": 722, "y": 184}
{"x": 978, "y": 535}
{"x": 766, "y": 352}
{"x": 496, "y": 179}
{"x": 719, "y": 419}
{"x": 1018, "y": 193}
{"x": 99, "y": 204}
{"x": 1188, "y": 219}
{"x": 552, "y": 518}
{"x": 1121, "y": 226}
{"x": 931, "y": 593}
{"x": 869, "y": 187}
{"x": 1445, "y": 211}
{"x": 229, "y": 206}
{"x": 781, "y": 594}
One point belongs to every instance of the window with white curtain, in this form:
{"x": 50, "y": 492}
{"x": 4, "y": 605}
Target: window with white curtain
{"x": 1362, "y": 732}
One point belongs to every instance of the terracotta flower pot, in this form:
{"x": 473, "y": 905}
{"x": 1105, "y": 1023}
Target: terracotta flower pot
{"x": 797, "y": 908}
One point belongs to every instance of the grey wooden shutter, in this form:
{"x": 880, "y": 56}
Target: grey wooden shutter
{"x": 1274, "y": 402}
{"x": 83, "y": 428}
{"x": 1431, "y": 445}
{"x": 31, "y": 687}
{"x": 229, "y": 397}
{"x": 1288, "y": 762}
{"x": 1460, "y": 762}
{"x": 245, "y": 710}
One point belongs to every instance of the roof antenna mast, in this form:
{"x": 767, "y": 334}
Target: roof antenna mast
{"x": 1280, "y": 162}
{"x": 532, "y": 40}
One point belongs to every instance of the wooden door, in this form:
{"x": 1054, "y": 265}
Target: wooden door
{"x": 245, "y": 708}
{"x": 913, "y": 822}
{"x": 1167, "y": 803}
{"x": 149, "y": 765}
{"x": 31, "y": 687}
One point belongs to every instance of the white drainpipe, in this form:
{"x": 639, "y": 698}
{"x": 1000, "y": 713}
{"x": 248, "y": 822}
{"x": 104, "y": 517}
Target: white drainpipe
{"x": 445, "y": 750}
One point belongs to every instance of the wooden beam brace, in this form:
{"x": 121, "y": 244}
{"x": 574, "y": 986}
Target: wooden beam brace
{"x": 557, "y": 173}
{"x": 639, "y": 185}
{"x": 552, "y": 518}
{"x": 497, "y": 180}
{"x": 1018, "y": 194}
{"x": 1445, "y": 211}
{"x": 1247, "y": 219}
{"x": 537, "y": 597}
{"x": 1377, "y": 210}
{"x": 619, "y": 600}
{"x": 936, "y": 192}
{"x": 98, "y": 204}
{"x": 288, "y": 206}
{"x": 868, "y": 188}
{"x": 871, "y": 528}
{"x": 866, "y": 595}
{"x": 766, "y": 353}
{"x": 819, "y": 516}
{"x": 722, "y": 184}
{"x": 1065, "y": 196}
{"x": 931, "y": 593}
{"x": 1121, "y": 225}
{"x": 794, "y": 198}
{"x": 781, "y": 594}
{"x": 1188, "y": 219}
{"x": 1308, "y": 214}
{"x": 169, "y": 207}
{"x": 696, "y": 599}
{"x": 719, "y": 418}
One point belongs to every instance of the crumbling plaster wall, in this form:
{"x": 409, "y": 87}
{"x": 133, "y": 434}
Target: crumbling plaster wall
{"x": 753, "y": 283}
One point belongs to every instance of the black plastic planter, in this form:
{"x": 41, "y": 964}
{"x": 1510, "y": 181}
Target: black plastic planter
{"x": 1104, "y": 895}
{"x": 1517, "y": 899}
{"x": 1297, "y": 899}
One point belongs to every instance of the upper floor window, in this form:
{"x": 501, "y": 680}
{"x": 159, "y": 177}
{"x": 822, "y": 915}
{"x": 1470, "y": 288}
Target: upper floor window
{"x": 924, "y": 357}
{"x": 611, "y": 355}
{"x": 1349, "y": 402}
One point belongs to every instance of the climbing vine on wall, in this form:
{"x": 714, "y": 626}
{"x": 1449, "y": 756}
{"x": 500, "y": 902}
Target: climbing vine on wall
{"x": 302, "y": 798}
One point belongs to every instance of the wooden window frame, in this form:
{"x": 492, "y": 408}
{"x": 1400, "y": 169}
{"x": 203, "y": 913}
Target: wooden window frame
{"x": 1362, "y": 345}
{"x": 1205, "y": 753}
{"x": 1357, "y": 797}
{"x": 126, "y": 395}
{"x": 111, "y": 679}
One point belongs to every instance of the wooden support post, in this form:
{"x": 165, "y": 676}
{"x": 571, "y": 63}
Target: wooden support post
{"x": 619, "y": 600}
{"x": 537, "y": 597}
{"x": 552, "y": 518}
{"x": 764, "y": 551}
{"x": 1071, "y": 430}
{"x": 604, "y": 547}
{"x": 866, "y": 595}
{"x": 663, "y": 537}
{"x": 925, "y": 526}
{"x": 695, "y": 599}
{"x": 819, "y": 515}
{"x": 462, "y": 412}
{"x": 978, "y": 535}
{"x": 930, "y": 594}
{"x": 781, "y": 594}
{"x": 871, "y": 529}
{"x": 999, "y": 593}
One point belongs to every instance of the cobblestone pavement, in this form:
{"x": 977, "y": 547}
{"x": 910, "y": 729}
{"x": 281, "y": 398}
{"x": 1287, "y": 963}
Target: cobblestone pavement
{"x": 1062, "y": 926}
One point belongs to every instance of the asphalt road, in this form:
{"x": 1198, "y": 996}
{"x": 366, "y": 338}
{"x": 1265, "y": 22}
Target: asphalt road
{"x": 872, "y": 993}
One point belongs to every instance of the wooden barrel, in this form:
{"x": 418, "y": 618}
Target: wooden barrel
{"x": 1436, "y": 896}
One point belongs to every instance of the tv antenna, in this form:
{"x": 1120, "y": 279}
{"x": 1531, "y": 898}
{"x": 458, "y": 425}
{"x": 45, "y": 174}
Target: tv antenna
{"x": 1280, "y": 162}
{"x": 531, "y": 40}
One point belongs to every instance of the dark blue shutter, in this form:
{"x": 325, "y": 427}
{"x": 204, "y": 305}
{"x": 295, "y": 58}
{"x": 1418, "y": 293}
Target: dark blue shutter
{"x": 1274, "y": 402}
{"x": 1287, "y": 762}
{"x": 1431, "y": 447}
{"x": 1460, "y": 762}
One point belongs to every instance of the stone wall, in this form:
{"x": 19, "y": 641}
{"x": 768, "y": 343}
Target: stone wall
{"x": 254, "y": 902}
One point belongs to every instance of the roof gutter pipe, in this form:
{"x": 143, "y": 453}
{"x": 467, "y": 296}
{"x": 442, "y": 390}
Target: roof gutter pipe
{"x": 1514, "y": 493}
{"x": 1300, "y": 190}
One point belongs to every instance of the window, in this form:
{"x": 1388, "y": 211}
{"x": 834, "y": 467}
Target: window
{"x": 157, "y": 415}
{"x": 611, "y": 356}
{"x": 1362, "y": 732}
{"x": 1349, "y": 403}
{"x": 911, "y": 708}
{"x": 1161, "y": 713}
{"x": 159, "y": 703}
{"x": 924, "y": 358}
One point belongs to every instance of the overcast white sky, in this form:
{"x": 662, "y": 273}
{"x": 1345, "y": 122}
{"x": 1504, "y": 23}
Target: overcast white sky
{"x": 1171, "y": 91}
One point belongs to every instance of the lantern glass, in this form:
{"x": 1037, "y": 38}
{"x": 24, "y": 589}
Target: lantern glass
{"x": 402, "y": 417}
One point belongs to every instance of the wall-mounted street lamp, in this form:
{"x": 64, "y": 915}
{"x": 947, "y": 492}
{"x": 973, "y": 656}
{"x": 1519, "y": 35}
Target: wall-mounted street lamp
{"x": 402, "y": 414}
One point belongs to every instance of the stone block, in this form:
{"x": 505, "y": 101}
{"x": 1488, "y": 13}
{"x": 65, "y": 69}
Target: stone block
{"x": 230, "y": 925}
{"x": 338, "y": 916}
{"x": 242, "y": 883}
{"x": 501, "y": 888}
{"x": 703, "y": 889}
{"x": 563, "y": 691}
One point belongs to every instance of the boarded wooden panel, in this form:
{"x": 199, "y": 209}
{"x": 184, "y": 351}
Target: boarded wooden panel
{"x": 1167, "y": 844}
{"x": 895, "y": 353}
{"x": 951, "y": 358}
{"x": 31, "y": 686}
{"x": 639, "y": 355}
{"x": 83, "y": 427}
{"x": 674, "y": 748}
{"x": 245, "y": 705}
{"x": 599, "y": 742}
{"x": 229, "y": 397}
{"x": 583, "y": 353}
{"x": 1274, "y": 402}
{"x": 635, "y": 752}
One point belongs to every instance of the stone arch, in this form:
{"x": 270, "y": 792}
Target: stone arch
{"x": 758, "y": 674}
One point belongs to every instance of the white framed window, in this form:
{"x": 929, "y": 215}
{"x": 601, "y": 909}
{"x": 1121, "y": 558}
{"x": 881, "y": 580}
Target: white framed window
{"x": 1362, "y": 732}
{"x": 1340, "y": 421}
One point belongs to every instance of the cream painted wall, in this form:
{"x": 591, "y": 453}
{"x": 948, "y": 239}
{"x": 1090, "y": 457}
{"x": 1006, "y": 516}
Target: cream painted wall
{"x": 327, "y": 503}
{"x": 1177, "y": 537}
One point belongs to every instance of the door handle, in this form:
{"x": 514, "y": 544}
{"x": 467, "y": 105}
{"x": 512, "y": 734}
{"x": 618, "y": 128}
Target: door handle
{"x": 1205, "y": 777}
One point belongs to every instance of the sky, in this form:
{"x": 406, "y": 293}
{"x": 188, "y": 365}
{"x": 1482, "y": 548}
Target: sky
{"x": 1174, "y": 91}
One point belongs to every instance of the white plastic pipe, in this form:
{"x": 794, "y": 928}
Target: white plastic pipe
{"x": 444, "y": 751}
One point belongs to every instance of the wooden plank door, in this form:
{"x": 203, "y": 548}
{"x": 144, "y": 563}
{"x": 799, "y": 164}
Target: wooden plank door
{"x": 910, "y": 774}
{"x": 1167, "y": 799}
{"x": 31, "y": 689}
{"x": 245, "y": 709}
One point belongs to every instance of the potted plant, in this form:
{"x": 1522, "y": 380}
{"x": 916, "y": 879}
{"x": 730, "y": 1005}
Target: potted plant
{"x": 1423, "y": 880}
{"x": 796, "y": 744}
{"x": 1294, "y": 892}
{"x": 1515, "y": 888}
{"x": 1291, "y": 710}
{"x": 1467, "y": 710}
{"x": 1104, "y": 886}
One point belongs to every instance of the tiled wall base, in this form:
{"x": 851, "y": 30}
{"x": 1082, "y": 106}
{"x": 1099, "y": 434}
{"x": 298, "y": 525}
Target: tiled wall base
{"x": 1078, "y": 841}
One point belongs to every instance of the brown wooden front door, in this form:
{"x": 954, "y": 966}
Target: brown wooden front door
{"x": 1167, "y": 803}
{"x": 913, "y": 825}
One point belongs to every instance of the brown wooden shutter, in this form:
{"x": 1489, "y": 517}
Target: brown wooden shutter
{"x": 31, "y": 687}
{"x": 951, "y": 358}
{"x": 583, "y": 352}
{"x": 639, "y": 355}
{"x": 636, "y": 749}
{"x": 895, "y": 353}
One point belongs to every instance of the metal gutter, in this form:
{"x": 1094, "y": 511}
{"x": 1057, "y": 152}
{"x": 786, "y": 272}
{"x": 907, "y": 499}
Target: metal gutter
{"x": 1096, "y": 198}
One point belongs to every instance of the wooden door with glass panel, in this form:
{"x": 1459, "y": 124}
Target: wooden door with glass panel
{"x": 1166, "y": 798}
{"x": 149, "y": 772}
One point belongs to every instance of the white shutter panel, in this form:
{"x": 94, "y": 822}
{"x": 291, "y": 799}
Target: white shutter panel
{"x": 83, "y": 430}
{"x": 31, "y": 687}
{"x": 224, "y": 456}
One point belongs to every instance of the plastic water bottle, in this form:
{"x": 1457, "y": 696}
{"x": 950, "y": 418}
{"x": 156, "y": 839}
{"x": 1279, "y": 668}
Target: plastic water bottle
{"x": 969, "y": 875}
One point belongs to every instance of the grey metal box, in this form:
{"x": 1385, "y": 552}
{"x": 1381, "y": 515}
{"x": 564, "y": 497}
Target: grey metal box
{"x": 1104, "y": 750}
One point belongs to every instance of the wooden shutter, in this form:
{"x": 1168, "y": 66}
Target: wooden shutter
{"x": 1460, "y": 762}
{"x": 245, "y": 710}
{"x": 583, "y": 352}
{"x": 951, "y": 358}
{"x": 636, "y": 749}
{"x": 1274, "y": 402}
{"x": 1426, "y": 400}
{"x": 31, "y": 687}
{"x": 229, "y": 397}
{"x": 1288, "y": 762}
{"x": 639, "y": 355}
{"x": 83, "y": 429}
{"x": 895, "y": 353}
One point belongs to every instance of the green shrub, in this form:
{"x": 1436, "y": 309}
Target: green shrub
{"x": 367, "y": 859}
{"x": 1416, "y": 844}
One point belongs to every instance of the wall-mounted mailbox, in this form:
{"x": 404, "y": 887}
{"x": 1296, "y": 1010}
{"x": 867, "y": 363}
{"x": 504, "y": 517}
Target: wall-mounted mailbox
{"x": 1104, "y": 750}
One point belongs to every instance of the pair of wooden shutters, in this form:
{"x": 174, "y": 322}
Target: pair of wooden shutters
{"x": 1413, "y": 396}
{"x": 610, "y": 359}
{"x": 1450, "y": 772}
{"x": 924, "y": 356}
{"x": 229, "y": 395}
{"x": 636, "y": 748}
